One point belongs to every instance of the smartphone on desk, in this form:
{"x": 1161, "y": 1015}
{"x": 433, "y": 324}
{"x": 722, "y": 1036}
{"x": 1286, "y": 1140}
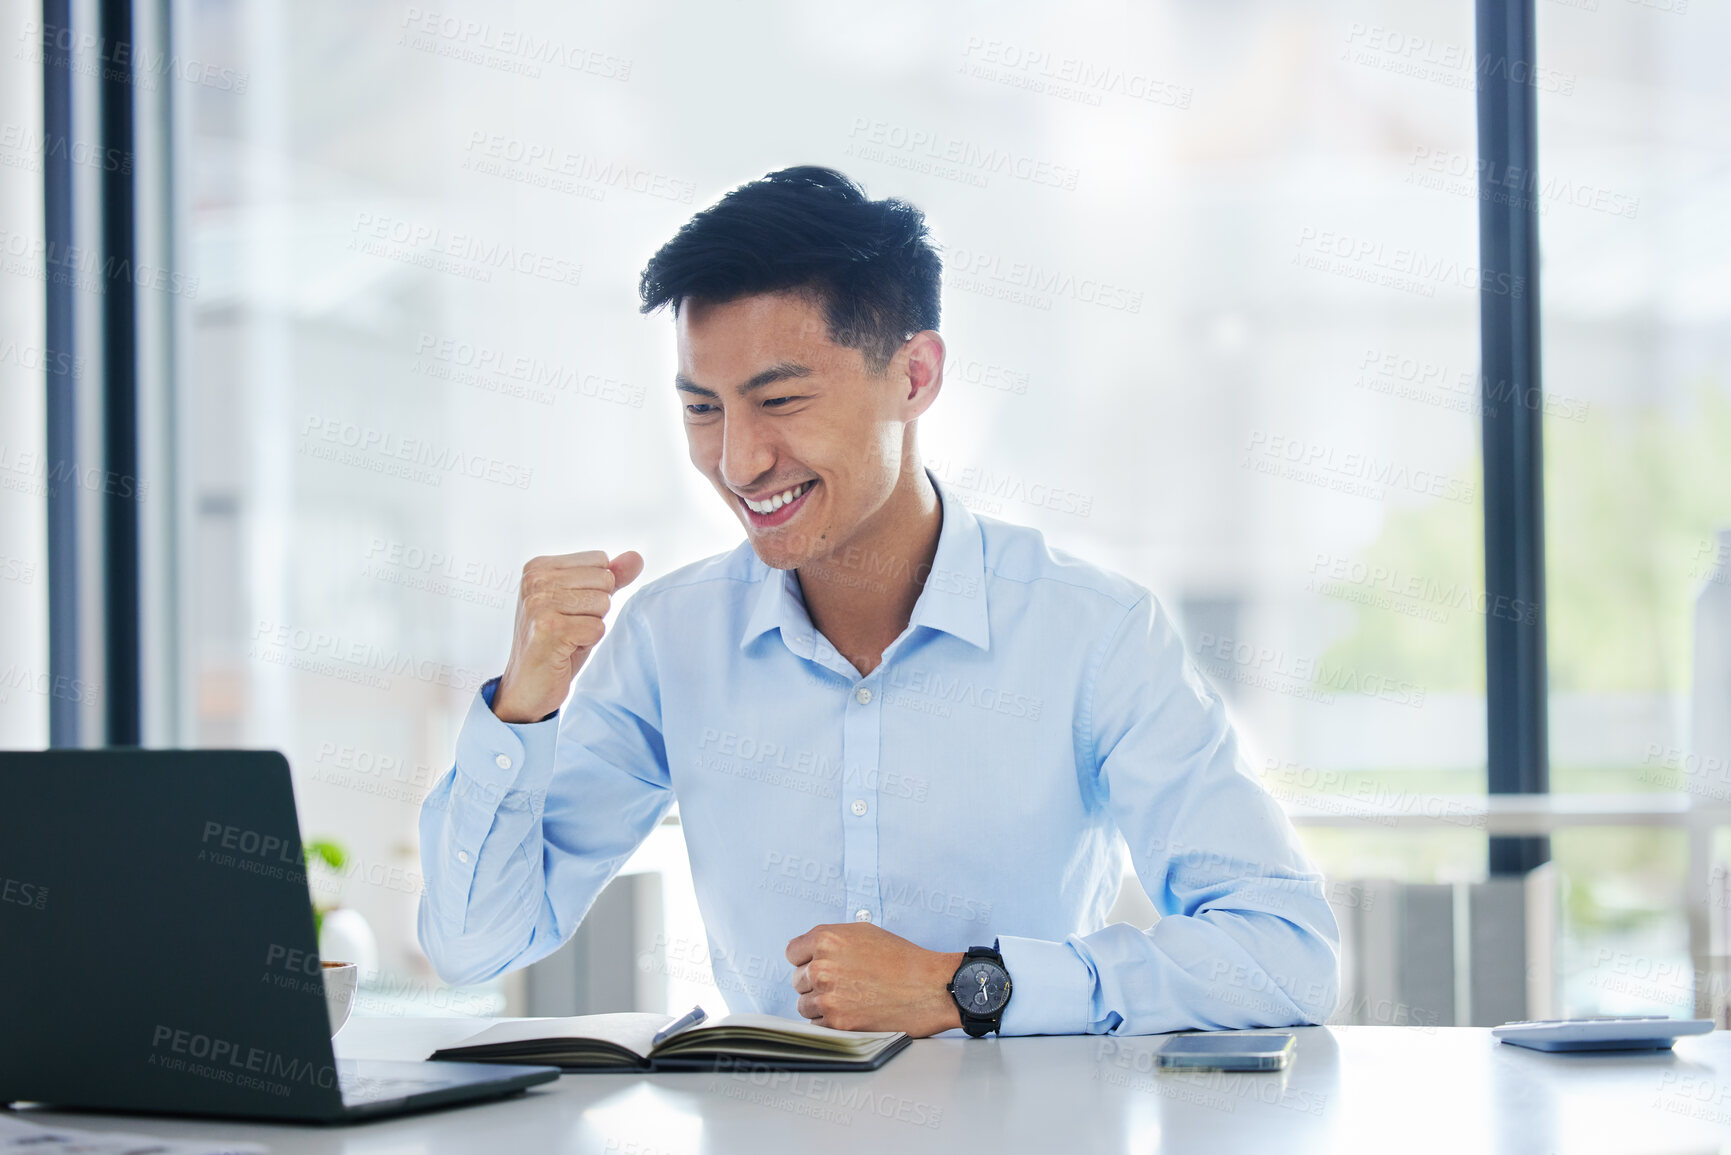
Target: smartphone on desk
{"x": 1227, "y": 1052}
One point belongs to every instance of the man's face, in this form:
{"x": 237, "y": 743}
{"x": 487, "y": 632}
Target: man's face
{"x": 801, "y": 440}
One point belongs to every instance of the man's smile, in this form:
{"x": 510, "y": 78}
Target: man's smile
{"x": 777, "y": 508}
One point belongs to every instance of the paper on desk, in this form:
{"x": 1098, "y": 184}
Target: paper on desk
{"x": 17, "y": 1136}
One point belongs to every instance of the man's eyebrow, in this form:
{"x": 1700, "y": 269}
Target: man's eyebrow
{"x": 787, "y": 370}
{"x": 782, "y": 372}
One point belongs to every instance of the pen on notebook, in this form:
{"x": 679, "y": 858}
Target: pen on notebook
{"x": 689, "y": 1019}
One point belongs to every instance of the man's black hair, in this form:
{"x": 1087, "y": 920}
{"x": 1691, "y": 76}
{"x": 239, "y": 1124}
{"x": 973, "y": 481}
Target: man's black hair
{"x": 809, "y": 229}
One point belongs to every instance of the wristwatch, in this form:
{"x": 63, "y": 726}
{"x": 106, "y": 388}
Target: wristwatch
{"x": 981, "y": 988}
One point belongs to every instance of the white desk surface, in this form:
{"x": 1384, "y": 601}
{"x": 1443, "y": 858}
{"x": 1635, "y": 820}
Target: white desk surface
{"x": 1350, "y": 1089}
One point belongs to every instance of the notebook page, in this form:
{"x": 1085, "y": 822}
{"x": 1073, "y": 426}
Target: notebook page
{"x": 633, "y": 1031}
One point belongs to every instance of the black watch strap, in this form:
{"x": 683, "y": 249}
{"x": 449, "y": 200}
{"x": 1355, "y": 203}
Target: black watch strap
{"x": 977, "y": 1025}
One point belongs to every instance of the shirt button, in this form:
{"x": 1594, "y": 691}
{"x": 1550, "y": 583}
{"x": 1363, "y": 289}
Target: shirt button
{"x": 862, "y": 695}
{"x": 859, "y": 805}
{"x": 462, "y": 856}
{"x": 862, "y": 915}
{"x": 503, "y": 761}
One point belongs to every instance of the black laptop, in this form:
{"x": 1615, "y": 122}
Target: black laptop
{"x": 149, "y": 901}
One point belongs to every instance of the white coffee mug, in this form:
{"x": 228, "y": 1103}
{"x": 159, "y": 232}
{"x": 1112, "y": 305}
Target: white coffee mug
{"x": 341, "y": 979}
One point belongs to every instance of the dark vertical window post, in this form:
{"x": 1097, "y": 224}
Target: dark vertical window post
{"x": 120, "y": 497}
{"x": 1515, "y": 681}
{"x": 62, "y": 408}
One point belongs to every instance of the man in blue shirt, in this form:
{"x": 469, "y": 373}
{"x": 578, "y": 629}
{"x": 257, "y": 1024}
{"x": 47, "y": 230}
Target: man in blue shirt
{"x": 895, "y": 730}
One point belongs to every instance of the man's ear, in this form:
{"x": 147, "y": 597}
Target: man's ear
{"x": 921, "y": 371}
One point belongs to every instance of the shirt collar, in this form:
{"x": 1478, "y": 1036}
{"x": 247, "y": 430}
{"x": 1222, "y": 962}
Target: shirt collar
{"x": 953, "y": 600}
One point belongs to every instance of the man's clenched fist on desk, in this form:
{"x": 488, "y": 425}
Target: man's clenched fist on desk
{"x": 854, "y": 976}
{"x": 559, "y": 609}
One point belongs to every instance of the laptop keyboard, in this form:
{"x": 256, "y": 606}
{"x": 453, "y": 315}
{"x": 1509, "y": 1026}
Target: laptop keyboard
{"x": 358, "y": 1088}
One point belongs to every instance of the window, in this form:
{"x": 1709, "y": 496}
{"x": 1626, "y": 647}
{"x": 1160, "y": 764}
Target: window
{"x": 26, "y": 683}
{"x": 1633, "y": 177}
{"x": 1211, "y": 300}
{"x": 1211, "y": 323}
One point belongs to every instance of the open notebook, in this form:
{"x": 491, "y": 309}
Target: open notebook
{"x": 625, "y": 1042}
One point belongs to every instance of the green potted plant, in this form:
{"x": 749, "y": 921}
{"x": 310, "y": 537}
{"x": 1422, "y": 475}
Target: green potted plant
{"x": 331, "y": 855}
{"x": 343, "y": 933}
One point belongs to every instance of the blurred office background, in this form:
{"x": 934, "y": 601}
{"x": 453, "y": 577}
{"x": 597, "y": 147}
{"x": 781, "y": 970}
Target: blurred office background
{"x": 1212, "y": 310}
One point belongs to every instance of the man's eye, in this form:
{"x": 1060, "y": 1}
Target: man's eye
{"x": 774, "y": 401}
{"x": 699, "y": 408}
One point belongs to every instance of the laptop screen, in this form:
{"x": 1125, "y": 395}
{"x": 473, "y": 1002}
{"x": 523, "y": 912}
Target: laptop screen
{"x": 159, "y": 944}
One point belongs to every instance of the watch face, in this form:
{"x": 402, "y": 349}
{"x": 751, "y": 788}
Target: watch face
{"x": 981, "y": 987}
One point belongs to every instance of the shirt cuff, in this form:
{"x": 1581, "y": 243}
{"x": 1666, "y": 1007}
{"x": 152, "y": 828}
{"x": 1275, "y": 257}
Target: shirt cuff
{"x": 499, "y": 756}
{"x": 491, "y": 687}
{"x": 1051, "y": 988}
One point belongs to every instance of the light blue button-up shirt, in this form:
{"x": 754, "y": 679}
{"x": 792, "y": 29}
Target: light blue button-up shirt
{"x": 1036, "y": 715}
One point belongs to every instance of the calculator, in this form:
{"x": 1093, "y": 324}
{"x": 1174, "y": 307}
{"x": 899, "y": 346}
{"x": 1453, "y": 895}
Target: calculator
{"x": 1603, "y": 1033}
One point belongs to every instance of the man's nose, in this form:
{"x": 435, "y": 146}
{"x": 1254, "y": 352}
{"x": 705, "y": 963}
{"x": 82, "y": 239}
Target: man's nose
{"x": 746, "y": 454}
